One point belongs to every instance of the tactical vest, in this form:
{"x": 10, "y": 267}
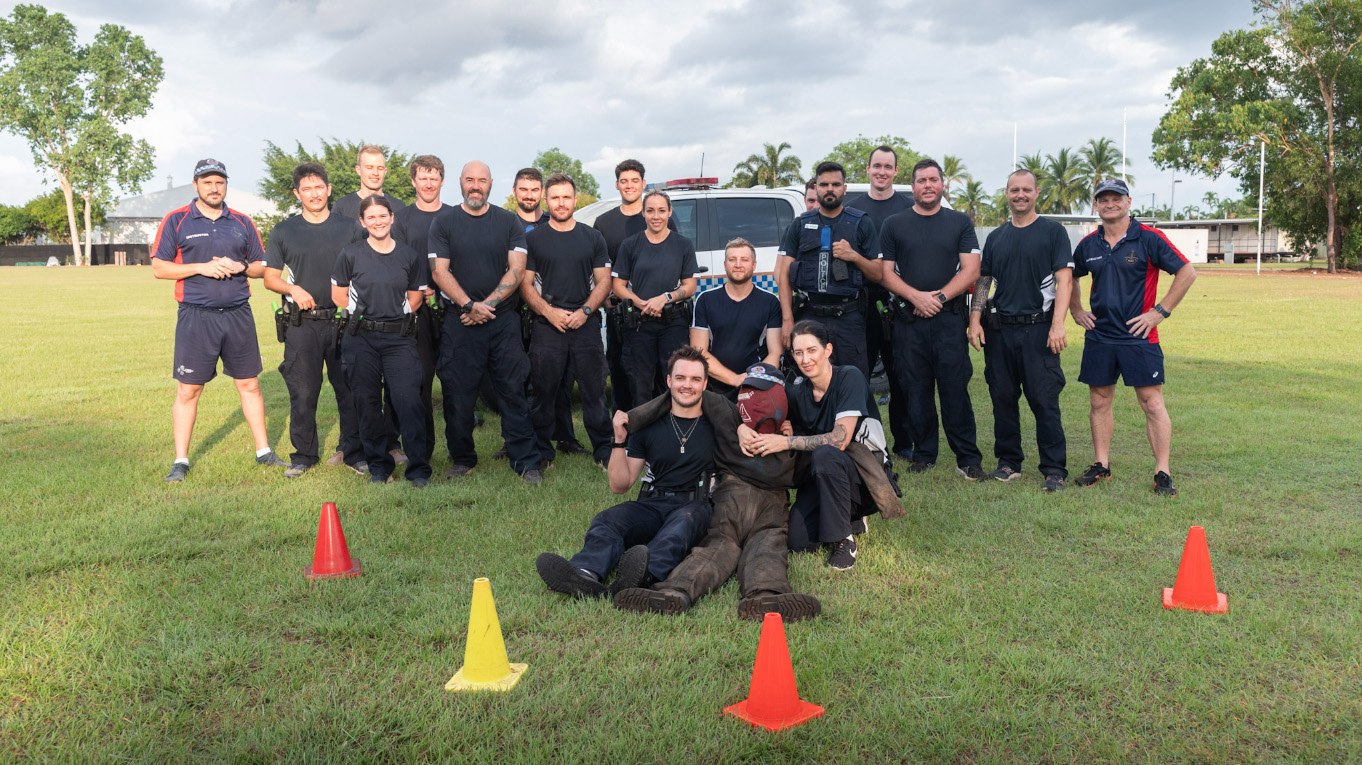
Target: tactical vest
{"x": 813, "y": 271}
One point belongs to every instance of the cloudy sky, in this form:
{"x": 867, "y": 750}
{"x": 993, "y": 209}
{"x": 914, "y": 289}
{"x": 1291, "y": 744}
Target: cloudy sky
{"x": 661, "y": 82}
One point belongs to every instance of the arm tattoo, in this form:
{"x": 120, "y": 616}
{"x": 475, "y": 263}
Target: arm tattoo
{"x": 809, "y": 443}
{"x": 499, "y": 294}
{"x": 981, "y": 294}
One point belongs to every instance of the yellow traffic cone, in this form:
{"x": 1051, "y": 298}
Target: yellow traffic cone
{"x": 485, "y": 666}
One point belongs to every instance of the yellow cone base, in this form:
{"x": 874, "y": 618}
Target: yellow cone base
{"x": 803, "y": 714}
{"x": 457, "y": 683}
{"x": 1221, "y": 606}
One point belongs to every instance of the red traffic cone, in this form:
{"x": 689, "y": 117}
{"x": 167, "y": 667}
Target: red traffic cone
{"x": 773, "y": 701}
{"x": 1194, "y": 589}
{"x": 332, "y": 557}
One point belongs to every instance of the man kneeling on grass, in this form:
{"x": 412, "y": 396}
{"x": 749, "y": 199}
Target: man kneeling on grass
{"x": 748, "y": 531}
{"x": 672, "y": 509}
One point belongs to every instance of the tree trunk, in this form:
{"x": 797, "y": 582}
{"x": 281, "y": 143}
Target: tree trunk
{"x": 1331, "y": 203}
{"x": 71, "y": 217}
{"x": 88, "y": 228}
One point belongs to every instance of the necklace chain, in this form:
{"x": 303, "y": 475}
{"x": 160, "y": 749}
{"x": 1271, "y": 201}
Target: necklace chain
{"x": 683, "y": 438}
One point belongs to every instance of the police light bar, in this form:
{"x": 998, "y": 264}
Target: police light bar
{"x": 692, "y": 183}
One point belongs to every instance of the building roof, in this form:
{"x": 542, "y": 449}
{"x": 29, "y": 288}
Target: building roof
{"x": 155, "y": 205}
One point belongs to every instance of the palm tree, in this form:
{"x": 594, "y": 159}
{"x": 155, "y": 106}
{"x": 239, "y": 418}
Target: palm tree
{"x": 972, "y": 200}
{"x": 1101, "y": 160}
{"x": 769, "y": 168}
{"x": 1068, "y": 189}
{"x": 952, "y": 172}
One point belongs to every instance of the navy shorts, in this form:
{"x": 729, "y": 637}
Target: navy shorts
{"x": 1138, "y": 364}
{"x": 204, "y": 335}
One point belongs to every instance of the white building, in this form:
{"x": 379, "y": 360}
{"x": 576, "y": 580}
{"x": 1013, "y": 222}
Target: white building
{"x": 134, "y": 220}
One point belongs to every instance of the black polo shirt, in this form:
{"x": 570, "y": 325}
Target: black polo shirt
{"x": 306, "y": 252}
{"x": 737, "y": 328}
{"x": 187, "y": 235}
{"x": 652, "y": 269}
{"x": 1023, "y": 262}
{"x": 925, "y": 249}
{"x": 660, "y": 444}
{"x": 615, "y": 226}
{"x": 476, "y": 247}
{"x": 563, "y": 263}
{"x": 378, "y": 282}
{"x": 348, "y": 205}
{"x": 848, "y": 395}
{"x": 411, "y": 226}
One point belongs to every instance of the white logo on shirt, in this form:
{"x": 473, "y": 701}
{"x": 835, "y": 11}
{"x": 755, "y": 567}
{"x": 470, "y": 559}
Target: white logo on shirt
{"x": 195, "y": 236}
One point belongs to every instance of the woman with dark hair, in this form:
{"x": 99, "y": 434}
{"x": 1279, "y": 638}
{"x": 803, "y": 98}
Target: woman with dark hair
{"x": 832, "y": 410}
{"x": 654, "y": 276}
{"x": 379, "y": 280}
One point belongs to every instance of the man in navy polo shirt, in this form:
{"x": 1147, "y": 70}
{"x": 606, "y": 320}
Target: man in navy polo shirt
{"x": 210, "y": 251}
{"x": 1124, "y": 258}
{"x": 735, "y": 323}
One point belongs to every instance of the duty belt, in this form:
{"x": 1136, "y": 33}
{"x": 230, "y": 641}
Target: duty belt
{"x": 842, "y": 308}
{"x": 317, "y": 313}
{"x": 386, "y": 327}
{"x": 1043, "y": 317}
{"x": 670, "y": 312}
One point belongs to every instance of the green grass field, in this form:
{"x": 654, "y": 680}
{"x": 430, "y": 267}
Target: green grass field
{"x": 144, "y": 621}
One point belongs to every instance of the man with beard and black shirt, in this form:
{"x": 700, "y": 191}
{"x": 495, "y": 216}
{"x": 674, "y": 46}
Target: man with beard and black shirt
{"x": 672, "y": 510}
{"x": 617, "y": 225}
{"x": 935, "y": 257}
{"x": 479, "y": 254}
{"x": 824, "y": 264}
{"x": 738, "y": 324}
{"x": 567, "y": 276}
{"x": 411, "y": 226}
{"x": 880, "y": 202}
{"x": 306, "y": 247}
{"x": 372, "y": 168}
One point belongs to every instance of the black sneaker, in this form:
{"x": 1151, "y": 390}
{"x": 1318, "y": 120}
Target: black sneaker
{"x": 500, "y": 454}
{"x": 1053, "y": 483}
{"x": 920, "y": 467}
{"x": 632, "y": 570}
{"x": 972, "y": 472}
{"x": 1163, "y": 485}
{"x": 1095, "y": 472}
{"x": 296, "y": 470}
{"x": 645, "y": 601}
{"x": 380, "y": 478}
{"x": 532, "y": 477}
{"x": 270, "y": 459}
{"x": 360, "y": 467}
{"x": 459, "y": 471}
{"x": 1004, "y": 474}
{"x": 560, "y": 576}
{"x": 572, "y": 447}
{"x": 420, "y": 483}
{"x": 177, "y": 472}
{"x": 792, "y": 607}
{"x": 843, "y": 555}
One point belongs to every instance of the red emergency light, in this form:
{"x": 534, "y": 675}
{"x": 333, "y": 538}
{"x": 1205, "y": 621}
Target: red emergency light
{"x": 692, "y": 183}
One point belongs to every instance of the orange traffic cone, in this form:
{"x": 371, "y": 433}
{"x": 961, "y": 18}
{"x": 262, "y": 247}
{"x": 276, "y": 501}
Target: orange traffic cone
{"x": 1194, "y": 589}
{"x": 332, "y": 557}
{"x": 773, "y": 701}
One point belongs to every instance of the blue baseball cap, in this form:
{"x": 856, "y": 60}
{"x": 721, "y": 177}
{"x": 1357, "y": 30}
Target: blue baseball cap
{"x": 209, "y": 167}
{"x": 1112, "y": 184}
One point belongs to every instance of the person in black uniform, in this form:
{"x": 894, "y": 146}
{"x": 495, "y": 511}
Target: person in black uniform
{"x": 655, "y": 278}
{"x": 479, "y": 254}
{"x": 672, "y": 510}
{"x": 1021, "y": 330}
{"x": 880, "y": 202}
{"x": 567, "y": 276}
{"x": 935, "y": 257}
{"x": 411, "y": 226}
{"x": 617, "y": 225}
{"x": 379, "y": 281}
{"x": 738, "y": 324}
{"x": 372, "y": 168}
{"x": 830, "y": 406}
{"x": 823, "y": 267}
{"x": 306, "y": 246}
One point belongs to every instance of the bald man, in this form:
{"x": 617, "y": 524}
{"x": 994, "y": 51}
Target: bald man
{"x": 477, "y": 257}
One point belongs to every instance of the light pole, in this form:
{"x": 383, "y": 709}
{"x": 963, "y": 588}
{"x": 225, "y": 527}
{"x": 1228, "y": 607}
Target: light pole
{"x": 1152, "y": 209}
{"x": 1172, "y": 195}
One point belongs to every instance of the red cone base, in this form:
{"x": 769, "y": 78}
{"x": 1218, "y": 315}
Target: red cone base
{"x": 332, "y": 557}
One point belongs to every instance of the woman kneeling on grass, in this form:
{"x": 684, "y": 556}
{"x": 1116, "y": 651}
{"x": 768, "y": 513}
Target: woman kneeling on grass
{"x": 379, "y": 280}
{"x": 846, "y": 474}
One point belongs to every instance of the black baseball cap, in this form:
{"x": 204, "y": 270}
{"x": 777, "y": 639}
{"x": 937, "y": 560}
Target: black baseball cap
{"x": 763, "y": 376}
{"x": 1112, "y": 184}
{"x": 209, "y": 167}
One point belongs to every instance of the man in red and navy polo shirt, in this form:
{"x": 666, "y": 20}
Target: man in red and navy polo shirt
{"x": 1124, "y": 258}
{"x": 210, "y": 251}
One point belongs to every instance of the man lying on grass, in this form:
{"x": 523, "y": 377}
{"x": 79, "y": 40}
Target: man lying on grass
{"x": 747, "y": 533}
{"x": 672, "y": 509}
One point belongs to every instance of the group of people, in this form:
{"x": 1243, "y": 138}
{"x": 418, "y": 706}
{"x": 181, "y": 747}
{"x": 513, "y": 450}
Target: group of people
{"x": 509, "y": 305}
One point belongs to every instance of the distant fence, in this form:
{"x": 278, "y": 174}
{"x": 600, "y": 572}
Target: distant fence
{"x": 100, "y": 254}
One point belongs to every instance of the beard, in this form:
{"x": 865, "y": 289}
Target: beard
{"x": 744, "y": 279}
{"x": 830, "y": 201}
{"x": 528, "y": 207}
{"x": 474, "y": 202}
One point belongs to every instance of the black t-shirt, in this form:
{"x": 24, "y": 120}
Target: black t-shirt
{"x": 737, "y": 328}
{"x": 411, "y": 226}
{"x": 562, "y": 262}
{"x": 660, "y": 444}
{"x": 378, "y": 282}
{"x": 348, "y": 205}
{"x": 652, "y": 269}
{"x": 925, "y": 249}
{"x": 306, "y": 252}
{"x": 879, "y": 210}
{"x": 848, "y": 395}
{"x": 476, "y": 246}
{"x": 615, "y": 226}
{"x": 1022, "y": 262}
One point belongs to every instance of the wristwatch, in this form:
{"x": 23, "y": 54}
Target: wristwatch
{"x": 617, "y": 444}
{"x": 1162, "y": 311}
{"x": 667, "y": 295}
{"x": 942, "y": 297}
{"x": 467, "y": 307}
{"x": 586, "y": 311}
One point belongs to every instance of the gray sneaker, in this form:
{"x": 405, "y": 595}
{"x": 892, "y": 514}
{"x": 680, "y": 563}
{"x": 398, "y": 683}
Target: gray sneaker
{"x": 533, "y": 477}
{"x": 177, "y": 472}
{"x": 270, "y": 459}
{"x": 1004, "y": 474}
{"x": 459, "y": 471}
{"x": 972, "y": 472}
{"x": 296, "y": 470}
